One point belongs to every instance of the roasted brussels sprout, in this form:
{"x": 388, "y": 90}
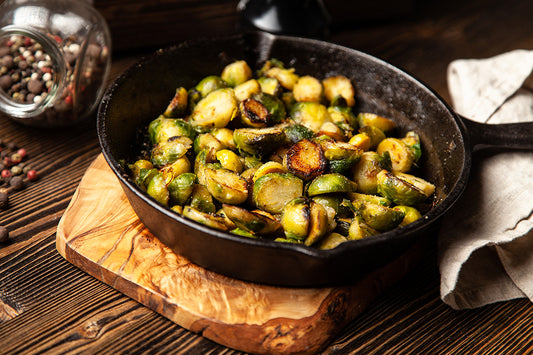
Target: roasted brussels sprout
{"x": 272, "y": 191}
{"x": 260, "y": 141}
{"x": 370, "y": 119}
{"x": 208, "y": 219}
{"x": 359, "y": 229}
{"x": 171, "y": 150}
{"x": 403, "y": 189}
{"x": 209, "y": 84}
{"x": 411, "y": 214}
{"x": 230, "y": 161}
{"x": 180, "y": 188}
{"x": 339, "y": 85}
{"x": 157, "y": 188}
{"x": 379, "y": 217}
{"x": 305, "y": 220}
{"x": 310, "y": 114}
{"x": 401, "y": 155}
{"x": 247, "y": 89}
{"x": 255, "y": 221}
{"x": 201, "y": 199}
{"x": 286, "y": 77}
{"x": 236, "y": 73}
{"x": 215, "y": 110}
{"x": 226, "y": 186}
{"x": 308, "y": 88}
{"x": 365, "y": 172}
{"x": 178, "y": 105}
{"x": 296, "y": 132}
{"x": 270, "y": 86}
{"x": 330, "y": 183}
{"x": 331, "y": 241}
{"x": 162, "y": 128}
{"x": 254, "y": 113}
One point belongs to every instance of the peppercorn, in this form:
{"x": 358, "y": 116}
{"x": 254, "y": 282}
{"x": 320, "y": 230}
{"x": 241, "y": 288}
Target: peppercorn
{"x": 4, "y": 200}
{"x": 6, "y": 174}
{"x": 16, "y": 182}
{"x": 4, "y": 234}
{"x": 32, "y": 175}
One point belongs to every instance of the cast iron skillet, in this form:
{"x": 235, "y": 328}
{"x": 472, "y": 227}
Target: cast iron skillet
{"x": 143, "y": 91}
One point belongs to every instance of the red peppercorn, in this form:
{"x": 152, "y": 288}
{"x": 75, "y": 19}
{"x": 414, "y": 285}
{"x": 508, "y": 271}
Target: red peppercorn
{"x": 68, "y": 100}
{"x": 27, "y": 41}
{"x": 22, "y": 152}
{"x": 5, "y": 174}
{"x": 32, "y": 175}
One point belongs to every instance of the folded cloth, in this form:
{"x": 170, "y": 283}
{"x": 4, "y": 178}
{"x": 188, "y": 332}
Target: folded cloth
{"x": 486, "y": 241}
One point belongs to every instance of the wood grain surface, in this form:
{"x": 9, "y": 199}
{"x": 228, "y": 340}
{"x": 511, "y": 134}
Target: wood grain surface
{"x": 100, "y": 233}
{"x": 49, "y": 306}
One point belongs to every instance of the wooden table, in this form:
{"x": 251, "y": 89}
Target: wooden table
{"x": 49, "y": 306}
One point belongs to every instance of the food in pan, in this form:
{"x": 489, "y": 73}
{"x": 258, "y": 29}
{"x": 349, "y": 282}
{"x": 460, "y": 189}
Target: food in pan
{"x": 278, "y": 155}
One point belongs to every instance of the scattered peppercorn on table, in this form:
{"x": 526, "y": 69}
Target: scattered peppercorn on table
{"x": 48, "y": 305}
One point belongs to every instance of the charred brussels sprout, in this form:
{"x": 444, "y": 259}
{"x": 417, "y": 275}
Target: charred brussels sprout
{"x": 272, "y": 191}
{"x": 178, "y": 105}
{"x": 259, "y": 141}
{"x": 255, "y": 222}
{"x": 305, "y": 159}
{"x": 207, "y": 219}
{"x": 226, "y": 186}
{"x": 274, "y": 106}
{"x": 254, "y": 113}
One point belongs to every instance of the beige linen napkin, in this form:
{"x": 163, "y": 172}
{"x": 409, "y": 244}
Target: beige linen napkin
{"x": 486, "y": 241}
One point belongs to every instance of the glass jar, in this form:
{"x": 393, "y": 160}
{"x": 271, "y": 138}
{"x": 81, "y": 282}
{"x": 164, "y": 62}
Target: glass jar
{"x": 54, "y": 60}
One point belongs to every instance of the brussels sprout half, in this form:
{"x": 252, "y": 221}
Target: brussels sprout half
{"x": 272, "y": 191}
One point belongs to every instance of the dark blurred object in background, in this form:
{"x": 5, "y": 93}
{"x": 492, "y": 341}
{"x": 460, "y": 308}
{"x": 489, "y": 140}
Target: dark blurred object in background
{"x": 145, "y": 24}
{"x": 307, "y": 18}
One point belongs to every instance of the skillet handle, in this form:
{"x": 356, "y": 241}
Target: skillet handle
{"x": 506, "y": 135}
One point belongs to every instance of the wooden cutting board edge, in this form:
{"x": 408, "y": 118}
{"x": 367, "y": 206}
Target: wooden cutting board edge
{"x": 335, "y": 307}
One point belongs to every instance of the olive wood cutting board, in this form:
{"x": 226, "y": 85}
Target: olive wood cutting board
{"x": 101, "y": 234}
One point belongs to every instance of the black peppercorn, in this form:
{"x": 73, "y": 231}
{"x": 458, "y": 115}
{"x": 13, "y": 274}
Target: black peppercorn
{"x": 4, "y": 234}
{"x": 3, "y": 199}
